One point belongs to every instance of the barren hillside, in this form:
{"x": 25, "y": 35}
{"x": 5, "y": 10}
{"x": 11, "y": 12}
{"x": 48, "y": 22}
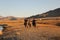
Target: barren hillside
{"x": 50, "y": 13}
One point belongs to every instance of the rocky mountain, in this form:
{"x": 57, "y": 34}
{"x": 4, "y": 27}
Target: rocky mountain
{"x": 51, "y": 13}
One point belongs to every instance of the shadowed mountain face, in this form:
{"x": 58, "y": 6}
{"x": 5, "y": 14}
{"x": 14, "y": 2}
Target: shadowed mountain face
{"x": 51, "y": 13}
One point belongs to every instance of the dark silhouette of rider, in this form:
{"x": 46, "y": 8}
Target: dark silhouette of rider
{"x": 34, "y": 22}
{"x": 29, "y": 23}
{"x": 25, "y": 22}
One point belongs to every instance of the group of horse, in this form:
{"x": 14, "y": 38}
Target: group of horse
{"x": 27, "y": 23}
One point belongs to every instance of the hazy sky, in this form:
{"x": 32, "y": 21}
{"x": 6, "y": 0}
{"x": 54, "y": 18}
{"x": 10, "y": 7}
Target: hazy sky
{"x": 25, "y": 8}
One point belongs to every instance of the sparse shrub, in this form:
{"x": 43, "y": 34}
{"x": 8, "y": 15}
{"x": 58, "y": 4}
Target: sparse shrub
{"x": 44, "y": 23}
{"x": 58, "y": 24}
{"x": 13, "y": 18}
{"x": 39, "y": 22}
{"x": 54, "y": 38}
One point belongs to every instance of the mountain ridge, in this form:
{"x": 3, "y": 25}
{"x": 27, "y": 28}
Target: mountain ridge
{"x": 51, "y": 13}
